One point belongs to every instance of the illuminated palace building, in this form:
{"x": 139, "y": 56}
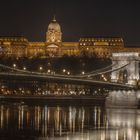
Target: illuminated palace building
{"x": 55, "y": 47}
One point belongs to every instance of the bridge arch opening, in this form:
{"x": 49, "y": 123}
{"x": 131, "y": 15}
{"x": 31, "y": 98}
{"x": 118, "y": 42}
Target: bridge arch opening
{"x": 123, "y": 76}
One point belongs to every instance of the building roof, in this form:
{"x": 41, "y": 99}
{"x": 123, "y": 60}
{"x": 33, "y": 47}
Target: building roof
{"x": 54, "y": 25}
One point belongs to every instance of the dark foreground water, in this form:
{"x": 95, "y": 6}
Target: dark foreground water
{"x": 42, "y": 120}
{"x": 19, "y": 121}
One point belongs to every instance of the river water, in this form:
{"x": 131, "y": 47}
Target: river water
{"x": 44, "y": 122}
{"x": 36, "y": 121}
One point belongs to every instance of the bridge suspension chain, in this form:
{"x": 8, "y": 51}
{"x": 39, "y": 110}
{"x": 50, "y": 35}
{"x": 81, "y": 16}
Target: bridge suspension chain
{"x": 104, "y": 72}
{"x": 93, "y": 73}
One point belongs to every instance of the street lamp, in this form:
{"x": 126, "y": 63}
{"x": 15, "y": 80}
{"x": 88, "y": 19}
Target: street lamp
{"x": 24, "y": 68}
{"x": 49, "y": 70}
{"x": 14, "y": 65}
{"x": 83, "y": 72}
{"x": 40, "y": 68}
{"x": 68, "y": 73}
{"x": 64, "y": 70}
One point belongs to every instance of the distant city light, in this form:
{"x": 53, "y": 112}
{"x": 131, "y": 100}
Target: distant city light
{"x": 49, "y": 63}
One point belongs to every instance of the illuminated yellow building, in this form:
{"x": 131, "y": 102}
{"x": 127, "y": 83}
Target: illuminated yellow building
{"x": 54, "y": 46}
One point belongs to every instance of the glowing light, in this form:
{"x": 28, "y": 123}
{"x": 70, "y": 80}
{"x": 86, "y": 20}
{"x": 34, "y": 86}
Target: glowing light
{"x": 24, "y": 68}
{"x": 101, "y": 44}
{"x": 49, "y": 70}
{"x": 52, "y": 45}
{"x": 64, "y": 70}
{"x": 14, "y": 65}
{"x": 125, "y": 54}
{"x": 40, "y": 68}
{"x": 83, "y": 72}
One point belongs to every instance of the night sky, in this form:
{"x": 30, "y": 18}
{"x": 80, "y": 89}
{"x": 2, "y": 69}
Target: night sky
{"x": 78, "y": 18}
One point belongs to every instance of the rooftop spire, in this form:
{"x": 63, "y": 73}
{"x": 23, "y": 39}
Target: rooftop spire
{"x": 54, "y": 19}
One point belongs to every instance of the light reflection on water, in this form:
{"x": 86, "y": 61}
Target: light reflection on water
{"x": 68, "y": 123}
{"x": 21, "y": 121}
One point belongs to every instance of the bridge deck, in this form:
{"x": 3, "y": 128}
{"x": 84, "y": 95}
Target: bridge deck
{"x": 53, "y": 78}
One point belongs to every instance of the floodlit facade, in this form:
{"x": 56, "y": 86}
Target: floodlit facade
{"x": 54, "y": 46}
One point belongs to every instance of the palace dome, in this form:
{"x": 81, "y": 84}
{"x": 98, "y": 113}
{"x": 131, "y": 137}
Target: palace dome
{"x": 54, "y": 25}
{"x": 54, "y": 33}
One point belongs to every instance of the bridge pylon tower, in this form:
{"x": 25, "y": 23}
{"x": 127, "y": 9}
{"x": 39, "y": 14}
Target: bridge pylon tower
{"x": 128, "y": 74}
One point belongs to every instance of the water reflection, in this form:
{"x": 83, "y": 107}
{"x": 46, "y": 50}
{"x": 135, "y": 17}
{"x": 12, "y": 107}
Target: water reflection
{"x": 126, "y": 122}
{"x": 68, "y": 123}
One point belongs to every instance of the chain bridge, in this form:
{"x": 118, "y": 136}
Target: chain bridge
{"x": 122, "y": 73}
